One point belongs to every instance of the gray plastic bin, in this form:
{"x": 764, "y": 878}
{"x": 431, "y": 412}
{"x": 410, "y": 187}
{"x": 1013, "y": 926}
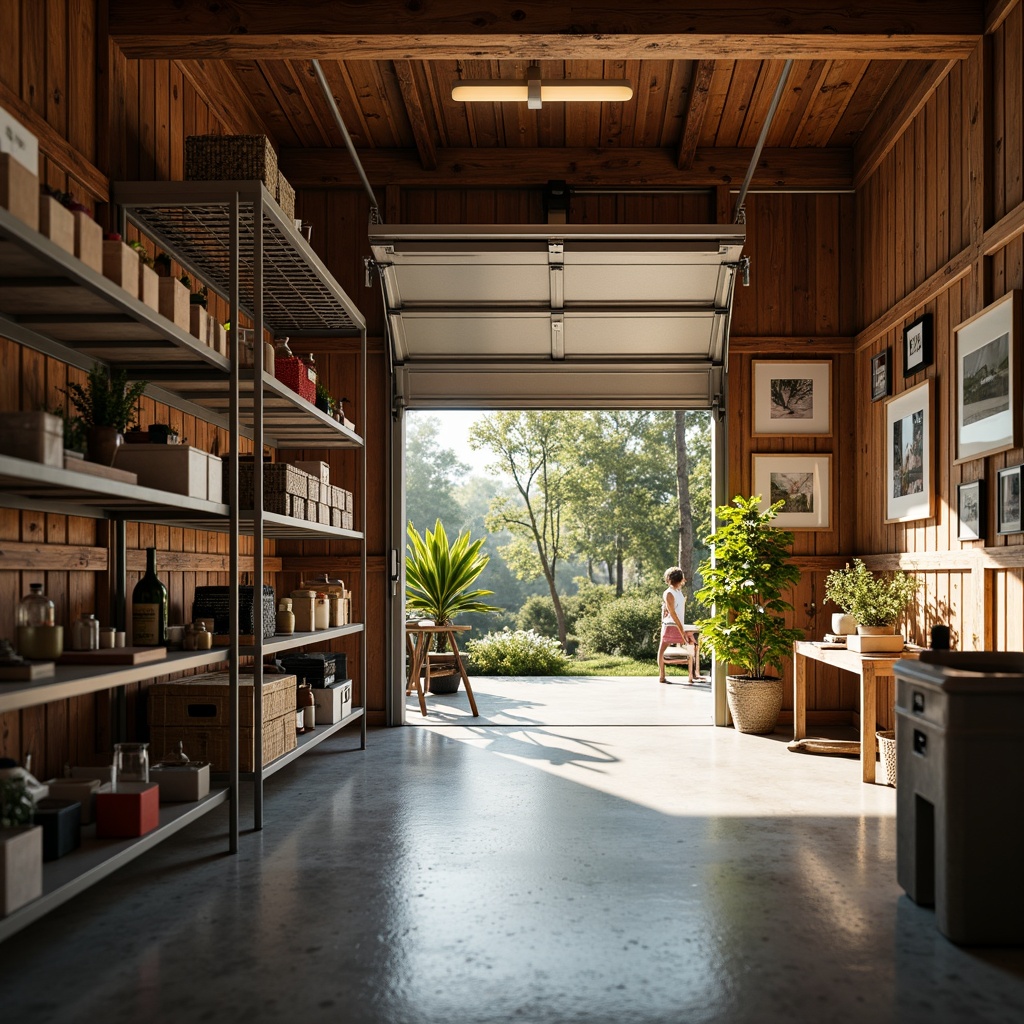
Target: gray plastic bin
{"x": 960, "y": 794}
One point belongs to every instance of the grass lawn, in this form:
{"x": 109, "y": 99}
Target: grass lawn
{"x": 615, "y": 665}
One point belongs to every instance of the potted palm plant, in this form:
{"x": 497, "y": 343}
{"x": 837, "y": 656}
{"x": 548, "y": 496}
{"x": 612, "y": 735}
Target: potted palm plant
{"x": 744, "y": 585}
{"x": 438, "y": 577}
{"x": 876, "y": 603}
{"x": 106, "y": 406}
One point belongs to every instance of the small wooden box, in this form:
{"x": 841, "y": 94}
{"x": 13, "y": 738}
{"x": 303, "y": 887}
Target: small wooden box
{"x": 34, "y": 436}
{"x": 132, "y": 811}
{"x": 82, "y": 790}
{"x": 149, "y": 286}
{"x": 174, "y": 302}
{"x": 198, "y": 320}
{"x": 121, "y": 265}
{"x": 179, "y": 468}
{"x": 57, "y": 222}
{"x": 88, "y": 241}
{"x": 61, "y": 821}
{"x": 181, "y": 783}
{"x": 19, "y": 191}
{"x": 21, "y": 867}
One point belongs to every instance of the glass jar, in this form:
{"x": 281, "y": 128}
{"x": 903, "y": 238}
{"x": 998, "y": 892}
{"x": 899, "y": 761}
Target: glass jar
{"x": 85, "y": 633}
{"x": 131, "y": 763}
{"x": 39, "y": 637}
{"x": 285, "y": 617}
{"x": 36, "y": 609}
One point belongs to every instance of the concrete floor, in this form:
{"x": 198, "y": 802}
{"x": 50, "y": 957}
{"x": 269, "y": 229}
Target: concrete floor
{"x": 586, "y": 851}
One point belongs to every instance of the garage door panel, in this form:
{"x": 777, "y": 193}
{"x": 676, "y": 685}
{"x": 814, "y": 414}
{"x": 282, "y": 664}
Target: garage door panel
{"x": 477, "y": 284}
{"x": 462, "y": 335}
{"x": 633, "y": 335}
{"x": 613, "y": 284}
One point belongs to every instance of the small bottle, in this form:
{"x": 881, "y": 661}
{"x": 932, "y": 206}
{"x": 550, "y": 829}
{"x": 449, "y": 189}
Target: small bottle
{"x": 321, "y": 612}
{"x": 202, "y": 637}
{"x": 307, "y": 702}
{"x": 39, "y": 636}
{"x": 149, "y": 607}
{"x": 85, "y": 633}
{"x": 285, "y": 617}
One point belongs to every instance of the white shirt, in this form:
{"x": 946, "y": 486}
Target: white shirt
{"x": 678, "y": 598}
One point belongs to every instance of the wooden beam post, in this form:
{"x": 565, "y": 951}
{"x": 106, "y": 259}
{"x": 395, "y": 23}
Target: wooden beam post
{"x": 422, "y": 131}
{"x": 700, "y": 85}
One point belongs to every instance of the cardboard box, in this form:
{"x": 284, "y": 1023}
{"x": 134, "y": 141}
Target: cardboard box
{"x": 21, "y": 867}
{"x": 149, "y": 286}
{"x": 321, "y": 470}
{"x": 132, "y": 811}
{"x": 195, "y": 712}
{"x": 82, "y": 790}
{"x": 174, "y": 302}
{"x": 198, "y": 321}
{"x": 325, "y": 514}
{"x": 313, "y": 488}
{"x": 333, "y": 703}
{"x": 19, "y": 190}
{"x": 179, "y": 468}
{"x": 336, "y": 515}
{"x": 297, "y": 507}
{"x": 61, "y": 822}
{"x": 181, "y": 783}
{"x": 35, "y": 436}
{"x": 347, "y": 521}
{"x": 349, "y": 502}
{"x": 217, "y": 339}
{"x": 312, "y": 512}
{"x": 88, "y": 241}
{"x": 58, "y": 223}
{"x": 121, "y": 265}
{"x": 19, "y": 142}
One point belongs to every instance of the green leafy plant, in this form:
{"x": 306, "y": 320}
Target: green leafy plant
{"x": 627, "y": 626}
{"x": 16, "y": 806}
{"x": 74, "y": 431}
{"x": 162, "y": 264}
{"x": 439, "y": 575}
{"x": 200, "y": 298}
{"x": 142, "y": 251}
{"x": 107, "y": 399}
{"x": 324, "y": 401}
{"x": 872, "y": 600}
{"x": 751, "y": 571}
{"x": 521, "y": 652}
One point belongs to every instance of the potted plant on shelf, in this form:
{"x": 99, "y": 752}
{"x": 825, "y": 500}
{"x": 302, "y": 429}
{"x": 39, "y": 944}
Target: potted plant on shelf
{"x": 744, "y": 585}
{"x": 438, "y": 579}
{"x": 106, "y": 407}
{"x": 876, "y": 603}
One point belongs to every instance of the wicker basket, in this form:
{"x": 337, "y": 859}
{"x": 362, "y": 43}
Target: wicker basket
{"x": 231, "y": 158}
{"x": 295, "y": 374}
{"x": 285, "y": 196}
{"x": 887, "y": 757}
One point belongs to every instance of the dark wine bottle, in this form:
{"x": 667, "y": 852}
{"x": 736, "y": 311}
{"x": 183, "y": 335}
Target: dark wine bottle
{"x": 149, "y": 607}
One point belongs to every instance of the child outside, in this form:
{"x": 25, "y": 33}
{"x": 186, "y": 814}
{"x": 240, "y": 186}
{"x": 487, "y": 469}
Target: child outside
{"x": 674, "y": 629}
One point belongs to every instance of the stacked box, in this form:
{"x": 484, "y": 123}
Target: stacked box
{"x": 349, "y": 507}
{"x": 298, "y": 507}
{"x": 347, "y": 521}
{"x": 325, "y": 514}
{"x": 321, "y": 470}
{"x": 215, "y": 603}
{"x": 314, "y": 488}
{"x": 336, "y": 515}
{"x": 279, "y": 479}
{"x": 313, "y": 512}
{"x": 195, "y": 712}
{"x": 285, "y": 196}
{"x": 338, "y": 498}
{"x": 231, "y": 158}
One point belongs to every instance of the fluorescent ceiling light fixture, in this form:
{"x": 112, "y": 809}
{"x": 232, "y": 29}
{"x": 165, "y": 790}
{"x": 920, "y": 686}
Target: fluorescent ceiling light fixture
{"x": 536, "y": 89}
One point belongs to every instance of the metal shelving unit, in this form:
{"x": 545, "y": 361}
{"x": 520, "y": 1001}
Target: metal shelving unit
{"x": 235, "y": 238}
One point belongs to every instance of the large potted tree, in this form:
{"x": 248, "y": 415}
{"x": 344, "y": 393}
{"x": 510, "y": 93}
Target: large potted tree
{"x": 747, "y": 629}
{"x": 438, "y": 576}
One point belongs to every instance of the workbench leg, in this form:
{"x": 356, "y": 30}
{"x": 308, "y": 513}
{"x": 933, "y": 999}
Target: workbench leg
{"x": 868, "y": 720}
{"x": 416, "y": 662}
{"x": 799, "y": 696}
{"x": 462, "y": 672}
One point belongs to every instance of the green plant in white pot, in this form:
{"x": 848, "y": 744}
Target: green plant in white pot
{"x": 745, "y": 584}
{"x": 876, "y": 602}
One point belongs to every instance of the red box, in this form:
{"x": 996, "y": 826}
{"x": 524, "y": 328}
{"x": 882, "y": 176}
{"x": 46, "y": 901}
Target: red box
{"x": 295, "y": 374}
{"x": 132, "y": 811}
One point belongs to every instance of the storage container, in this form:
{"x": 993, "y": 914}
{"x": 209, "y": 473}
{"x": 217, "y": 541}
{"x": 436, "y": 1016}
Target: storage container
{"x": 174, "y": 302}
{"x": 21, "y": 867}
{"x": 121, "y": 265}
{"x": 88, "y": 241}
{"x": 195, "y": 711}
{"x": 132, "y": 811}
{"x": 35, "y": 436}
{"x": 294, "y": 373}
{"x": 321, "y": 470}
{"x": 179, "y": 468}
{"x": 333, "y": 703}
{"x": 285, "y": 196}
{"x": 181, "y": 783}
{"x": 314, "y": 667}
{"x": 231, "y": 158}
{"x": 215, "y": 603}
{"x": 61, "y": 822}
{"x": 19, "y": 191}
{"x": 57, "y": 223}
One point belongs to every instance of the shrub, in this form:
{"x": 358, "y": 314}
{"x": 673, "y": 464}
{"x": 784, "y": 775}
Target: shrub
{"x": 538, "y": 615}
{"x": 519, "y": 653}
{"x": 627, "y": 626}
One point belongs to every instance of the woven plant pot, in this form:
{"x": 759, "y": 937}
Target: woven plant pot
{"x": 754, "y": 703}
{"x": 887, "y": 757}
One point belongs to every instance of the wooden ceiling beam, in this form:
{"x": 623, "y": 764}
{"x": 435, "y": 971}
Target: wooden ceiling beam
{"x": 696, "y": 109}
{"x": 414, "y": 107}
{"x": 225, "y": 96}
{"x": 819, "y": 168}
{"x": 540, "y": 30}
{"x": 900, "y": 105}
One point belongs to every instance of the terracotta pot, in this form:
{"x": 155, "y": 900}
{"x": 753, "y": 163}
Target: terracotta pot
{"x": 754, "y": 703}
{"x": 102, "y": 444}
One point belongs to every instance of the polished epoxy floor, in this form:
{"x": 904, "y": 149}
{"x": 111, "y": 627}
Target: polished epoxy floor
{"x": 586, "y": 851}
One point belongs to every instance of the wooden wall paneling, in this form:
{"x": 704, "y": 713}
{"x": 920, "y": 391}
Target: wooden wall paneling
{"x": 56, "y": 65}
{"x": 83, "y": 123}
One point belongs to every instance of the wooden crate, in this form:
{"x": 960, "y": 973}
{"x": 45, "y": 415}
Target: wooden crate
{"x": 195, "y": 712}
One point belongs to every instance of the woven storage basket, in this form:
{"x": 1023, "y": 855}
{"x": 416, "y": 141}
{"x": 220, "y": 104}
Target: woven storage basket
{"x": 295, "y": 374}
{"x": 281, "y": 482}
{"x": 887, "y": 758}
{"x": 285, "y": 196}
{"x": 231, "y": 158}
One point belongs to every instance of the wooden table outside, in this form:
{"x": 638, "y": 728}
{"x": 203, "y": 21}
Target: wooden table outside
{"x": 869, "y": 668}
{"x": 417, "y": 640}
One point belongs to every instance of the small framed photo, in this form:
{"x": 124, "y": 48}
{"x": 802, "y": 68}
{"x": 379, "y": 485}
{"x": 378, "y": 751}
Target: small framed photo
{"x": 803, "y": 482}
{"x": 988, "y": 388}
{"x": 792, "y": 397}
{"x": 909, "y": 455}
{"x": 1008, "y": 519}
{"x": 881, "y": 375}
{"x": 917, "y": 345}
{"x": 970, "y": 504}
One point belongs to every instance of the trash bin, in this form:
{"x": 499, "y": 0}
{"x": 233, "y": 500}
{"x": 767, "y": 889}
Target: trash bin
{"x": 960, "y": 798}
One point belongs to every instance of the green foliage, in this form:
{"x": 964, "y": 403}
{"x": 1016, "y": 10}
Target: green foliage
{"x": 107, "y": 399}
{"x": 519, "y": 653}
{"x": 538, "y": 615}
{"x": 439, "y": 575}
{"x": 751, "y": 572}
{"x": 431, "y": 474}
{"x": 16, "y": 807}
{"x": 872, "y": 600}
{"x": 627, "y": 626}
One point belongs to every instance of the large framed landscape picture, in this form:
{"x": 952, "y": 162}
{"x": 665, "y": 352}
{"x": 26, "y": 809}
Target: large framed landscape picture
{"x": 803, "y": 482}
{"x": 988, "y": 392}
{"x": 792, "y": 397}
{"x": 908, "y": 459}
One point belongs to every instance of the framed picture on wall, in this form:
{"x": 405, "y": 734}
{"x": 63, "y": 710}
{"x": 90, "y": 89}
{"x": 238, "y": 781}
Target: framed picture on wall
{"x": 917, "y": 345}
{"x": 1008, "y": 518}
{"x": 881, "y": 375}
{"x": 803, "y": 482}
{"x": 970, "y": 505}
{"x": 908, "y": 457}
{"x": 792, "y": 397}
{"x": 988, "y": 391}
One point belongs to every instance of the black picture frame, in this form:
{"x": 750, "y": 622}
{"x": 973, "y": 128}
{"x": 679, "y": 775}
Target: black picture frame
{"x": 881, "y": 375}
{"x": 917, "y": 345}
{"x": 970, "y": 506}
{"x": 1008, "y": 499}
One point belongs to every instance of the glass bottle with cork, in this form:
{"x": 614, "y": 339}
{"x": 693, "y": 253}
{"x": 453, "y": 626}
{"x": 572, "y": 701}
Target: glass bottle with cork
{"x": 149, "y": 607}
